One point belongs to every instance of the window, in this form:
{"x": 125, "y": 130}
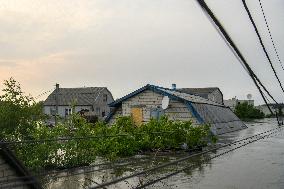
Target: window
{"x": 103, "y": 114}
{"x": 98, "y": 110}
{"x": 157, "y": 113}
{"x": 68, "y": 111}
{"x": 105, "y": 98}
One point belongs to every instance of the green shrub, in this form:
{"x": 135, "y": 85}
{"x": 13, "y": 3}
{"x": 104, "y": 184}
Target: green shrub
{"x": 76, "y": 142}
{"x": 248, "y": 111}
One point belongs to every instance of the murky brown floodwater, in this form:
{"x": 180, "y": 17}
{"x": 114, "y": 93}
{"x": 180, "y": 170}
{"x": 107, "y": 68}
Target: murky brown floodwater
{"x": 257, "y": 165}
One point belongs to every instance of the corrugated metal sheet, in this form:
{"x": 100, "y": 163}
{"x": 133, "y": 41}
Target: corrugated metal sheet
{"x": 188, "y": 97}
{"x": 203, "y": 92}
{"x": 221, "y": 119}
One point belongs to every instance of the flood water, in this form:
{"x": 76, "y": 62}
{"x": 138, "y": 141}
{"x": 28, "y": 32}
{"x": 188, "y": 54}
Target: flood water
{"x": 256, "y": 165}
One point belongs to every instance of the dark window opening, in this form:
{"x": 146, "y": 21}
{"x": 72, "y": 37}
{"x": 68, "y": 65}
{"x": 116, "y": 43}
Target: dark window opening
{"x": 98, "y": 110}
{"x": 68, "y": 111}
{"x": 105, "y": 98}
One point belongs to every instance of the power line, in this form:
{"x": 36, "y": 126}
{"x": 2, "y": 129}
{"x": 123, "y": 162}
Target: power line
{"x": 227, "y": 38}
{"x": 44, "y": 93}
{"x": 83, "y": 138}
{"x": 154, "y": 168}
{"x": 270, "y": 35}
{"x": 178, "y": 161}
{"x": 190, "y": 166}
{"x": 261, "y": 42}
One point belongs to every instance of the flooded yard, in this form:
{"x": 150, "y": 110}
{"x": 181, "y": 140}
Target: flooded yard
{"x": 256, "y": 165}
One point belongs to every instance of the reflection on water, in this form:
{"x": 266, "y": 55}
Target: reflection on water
{"x": 258, "y": 165}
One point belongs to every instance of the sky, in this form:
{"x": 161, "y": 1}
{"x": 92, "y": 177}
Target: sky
{"x": 126, "y": 44}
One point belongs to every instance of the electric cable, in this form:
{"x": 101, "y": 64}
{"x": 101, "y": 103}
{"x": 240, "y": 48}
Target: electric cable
{"x": 225, "y": 35}
{"x": 262, "y": 44}
{"x": 270, "y": 35}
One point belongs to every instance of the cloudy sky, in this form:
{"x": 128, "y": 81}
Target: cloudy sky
{"x": 125, "y": 44}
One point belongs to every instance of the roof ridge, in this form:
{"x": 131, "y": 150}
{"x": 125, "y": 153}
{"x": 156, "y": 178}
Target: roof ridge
{"x": 198, "y": 87}
{"x": 79, "y": 87}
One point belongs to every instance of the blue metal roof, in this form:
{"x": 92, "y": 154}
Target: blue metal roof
{"x": 220, "y": 117}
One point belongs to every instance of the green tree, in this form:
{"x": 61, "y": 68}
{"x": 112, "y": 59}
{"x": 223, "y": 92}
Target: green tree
{"x": 248, "y": 111}
{"x": 19, "y": 113}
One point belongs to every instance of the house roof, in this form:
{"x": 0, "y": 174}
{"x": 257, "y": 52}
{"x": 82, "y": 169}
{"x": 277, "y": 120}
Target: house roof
{"x": 167, "y": 92}
{"x": 203, "y": 92}
{"x": 189, "y": 97}
{"x": 81, "y": 96}
{"x": 24, "y": 175}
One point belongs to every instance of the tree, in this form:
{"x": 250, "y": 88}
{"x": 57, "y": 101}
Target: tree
{"x": 248, "y": 111}
{"x": 18, "y": 113}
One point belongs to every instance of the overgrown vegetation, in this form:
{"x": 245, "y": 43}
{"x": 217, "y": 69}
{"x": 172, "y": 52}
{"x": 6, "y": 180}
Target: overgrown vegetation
{"x": 247, "y": 111}
{"x": 77, "y": 142}
{"x": 19, "y": 114}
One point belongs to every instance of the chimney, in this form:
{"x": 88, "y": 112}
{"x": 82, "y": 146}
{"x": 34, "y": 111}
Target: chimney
{"x": 57, "y": 86}
{"x": 174, "y": 86}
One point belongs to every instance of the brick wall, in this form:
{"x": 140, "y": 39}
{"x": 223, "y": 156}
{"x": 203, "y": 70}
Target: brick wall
{"x": 9, "y": 178}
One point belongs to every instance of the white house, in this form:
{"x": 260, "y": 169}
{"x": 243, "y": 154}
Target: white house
{"x": 232, "y": 103}
{"x": 88, "y": 99}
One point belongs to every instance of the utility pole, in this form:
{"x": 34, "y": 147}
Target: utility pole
{"x": 56, "y": 102}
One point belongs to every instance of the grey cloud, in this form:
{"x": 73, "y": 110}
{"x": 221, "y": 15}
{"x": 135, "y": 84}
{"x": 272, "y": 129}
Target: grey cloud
{"x": 126, "y": 44}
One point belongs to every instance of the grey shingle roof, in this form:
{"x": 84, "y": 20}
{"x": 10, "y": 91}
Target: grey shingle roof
{"x": 203, "y": 92}
{"x": 81, "y": 96}
{"x": 189, "y": 97}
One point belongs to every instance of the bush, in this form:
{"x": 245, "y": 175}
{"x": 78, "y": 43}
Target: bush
{"x": 248, "y": 111}
{"x": 76, "y": 142}
{"x": 85, "y": 141}
{"x": 19, "y": 114}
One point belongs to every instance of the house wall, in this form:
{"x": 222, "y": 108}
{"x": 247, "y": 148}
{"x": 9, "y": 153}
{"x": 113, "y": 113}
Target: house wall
{"x": 61, "y": 109}
{"x": 149, "y": 100}
{"x": 232, "y": 103}
{"x": 103, "y": 105}
{"x": 6, "y": 173}
{"x": 216, "y": 96}
{"x": 264, "y": 109}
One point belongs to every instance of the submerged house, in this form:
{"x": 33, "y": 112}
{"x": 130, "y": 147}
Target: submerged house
{"x": 93, "y": 100}
{"x": 152, "y": 102}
